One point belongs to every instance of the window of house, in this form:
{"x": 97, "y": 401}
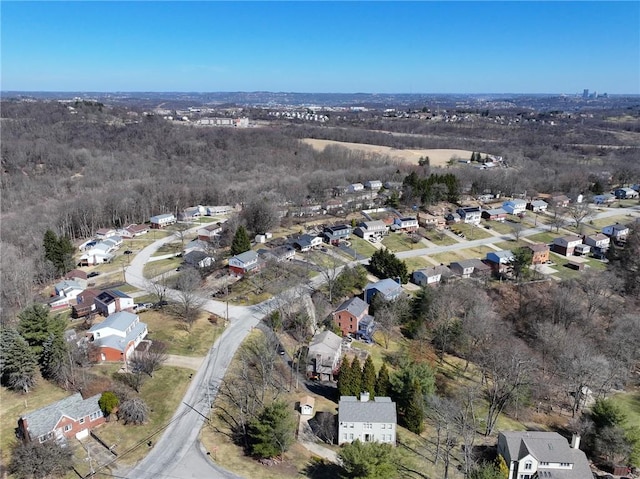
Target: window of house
{"x": 564, "y": 464}
{"x": 95, "y": 415}
{"x": 350, "y": 424}
{"x": 528, "y": 466}
{"x": 351, "y": 436}
{"x": 68, "y": 427}
{"x": 384, "y": 426}
{"x": 81, "y": 420}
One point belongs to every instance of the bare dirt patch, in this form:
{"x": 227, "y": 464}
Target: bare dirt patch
{"x": 437, "y": 157}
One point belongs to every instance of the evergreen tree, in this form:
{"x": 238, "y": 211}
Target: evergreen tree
{"x": 18, "y": 363}
{"x": 356, "y": 374}
{"x": 345, "y": 379}
{"x": 369, "y": 377}
{"x": 241, "y": 241}
{"x": 385, "y": 264}
{"x": 59, "y": 251}
{"x": 108, "y": 402}
{"x": 383, "y": 385}
{"x": 39, "y": 461}
{"x": 411, "y": 382}
{"x": 54, "y": 363}
{"x": 36, "y": 325}
{"x": 413, "y": 412}
{"x": 271, "y": 433}
{"x": 369, "y": 460}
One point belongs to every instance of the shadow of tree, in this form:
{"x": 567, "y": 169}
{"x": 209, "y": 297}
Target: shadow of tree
{"x": 322, "y": 469}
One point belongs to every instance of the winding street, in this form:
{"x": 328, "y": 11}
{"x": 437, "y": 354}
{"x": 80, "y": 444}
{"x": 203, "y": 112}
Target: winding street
{"x": 177, "y": 453}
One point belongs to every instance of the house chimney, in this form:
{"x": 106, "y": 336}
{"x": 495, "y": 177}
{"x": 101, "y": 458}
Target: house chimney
{"x": 575, "y": 441}
{"x": 364, "y": 396}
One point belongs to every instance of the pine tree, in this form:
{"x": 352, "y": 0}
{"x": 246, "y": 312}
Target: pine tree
{"x": 271, "y": 433}
{"x": 241, "y": 241}
{"x": 59, "y": 251}
{"x": 345, "y": 379}
{"x": 19, "y": 364}
{"x": 36, "y": 326}
{"x": 54, "y": 363}
{"x": 369, "y": 377}
{"x": 413, "y": 414}
{"x": 50, "y": 245}
{"x": 383, "y": 386}
{"x": 356, "y": 373}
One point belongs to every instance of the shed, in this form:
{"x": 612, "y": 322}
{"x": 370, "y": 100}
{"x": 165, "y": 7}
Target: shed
{"x": 307, "y": 405}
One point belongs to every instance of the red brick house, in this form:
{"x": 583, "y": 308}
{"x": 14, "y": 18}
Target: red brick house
{"x": 539, "y": 251}
{"x": 67, "y": 418}
{"x": 117, "y": 336}
{"x": 244, "y": 263}
{"x": 349, "y": 314}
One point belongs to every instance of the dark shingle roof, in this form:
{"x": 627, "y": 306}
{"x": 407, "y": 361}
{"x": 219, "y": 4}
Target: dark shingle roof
{"x": 44, "y": 420}
{"x": 355, "y": 306}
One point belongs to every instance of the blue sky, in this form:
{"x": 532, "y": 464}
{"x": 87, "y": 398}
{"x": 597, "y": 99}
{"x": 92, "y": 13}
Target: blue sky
{"x": 373, "y": 47}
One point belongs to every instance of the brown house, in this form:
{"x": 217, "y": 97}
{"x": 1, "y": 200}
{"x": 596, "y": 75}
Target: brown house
{"x": 67, "y": 418}
{"x": 349, "y": 314}
{"x": 540, "y": 253}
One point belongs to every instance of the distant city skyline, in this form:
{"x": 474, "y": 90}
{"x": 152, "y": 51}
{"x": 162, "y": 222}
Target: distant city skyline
{"x": 336, "y": 47}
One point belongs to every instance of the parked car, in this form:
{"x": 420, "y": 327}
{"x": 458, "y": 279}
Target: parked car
{"x": 128, "y": 251}
{"x": 93, "y": 274}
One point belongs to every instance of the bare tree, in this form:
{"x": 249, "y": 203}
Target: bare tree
{"x": 181, "y": 231}
{"x": 158, "y": 285}
{"x": 151, "y": 359}
{"x": 188, "y": 304}
{"x": 516, "y": 230}
{"x": 579, "y": 212}
{"x": 329, "y": 269}
{"x": 133, "y": 411}
{"x": 557, "y": 217}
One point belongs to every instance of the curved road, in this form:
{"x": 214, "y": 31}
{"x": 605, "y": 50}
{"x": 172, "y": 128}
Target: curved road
{"x": 177, "y": 454}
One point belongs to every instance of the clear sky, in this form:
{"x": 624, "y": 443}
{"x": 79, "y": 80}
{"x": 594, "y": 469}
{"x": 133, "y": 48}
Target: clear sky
{"x": 299, "y": 46}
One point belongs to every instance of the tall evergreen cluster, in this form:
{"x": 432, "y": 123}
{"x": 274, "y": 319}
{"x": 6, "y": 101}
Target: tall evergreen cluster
{"x": 434, "y": 188}
{"x": 58, "y": 251}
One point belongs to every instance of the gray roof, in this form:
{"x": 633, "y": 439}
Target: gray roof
{"x": 539, "y": 203}
{"x": 547, "y": 447}
{"x": 496, "y": 211}
{"x": 387, "y": 287}
{"x": 247, "y": 256}
{"x": 354, "y": 305}
{"x": 44, "y": 420}
{"x": 380, "y": 410}
{"x": 68, "y": 283}
{"x": 118, "y": 342}
{"x": 120, "y": 321}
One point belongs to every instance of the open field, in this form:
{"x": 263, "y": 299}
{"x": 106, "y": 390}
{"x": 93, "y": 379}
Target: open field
{"x": 437, "y": 157}
{"x": 417, "y": 262}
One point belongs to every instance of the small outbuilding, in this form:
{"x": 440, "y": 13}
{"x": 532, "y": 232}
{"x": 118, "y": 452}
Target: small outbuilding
{"x": 307, "y": 405}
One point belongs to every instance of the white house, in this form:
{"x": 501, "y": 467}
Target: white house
{"x": 471, "y": 214}
{"x": 117, "y": 336}
{"x": 371, "y": 230}
{"x": 354, "y": 187}
{"x": 373, "y": 184}
{"x": 604, "y": 199}
{"x": 426, "y": 276}
{"x": 541, "y": 454}
{"x": 161, "y": 221}
{"x": 538, "y": 206}
{"x": 103, "y": 233}
{"x": 616, "y": 232}
{"x": 566, "y": 244}
{"x": 625, "y": 193}
{"x": 324, "y": 355}
{"x": 209, "y": 232}
{"x": 406, "y": 223}
{"x": 111, "y": 301}
{"x": 598, "y": 241}
{"x": 68, "y": 288}
{"x": 367, "y": 420}
{"x": 307, "y": 404}
{"x": 515, "y": 206}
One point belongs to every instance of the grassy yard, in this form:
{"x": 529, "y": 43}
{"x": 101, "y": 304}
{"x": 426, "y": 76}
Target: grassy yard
{"x": 629, "y": 402}
{"x": 362, "y": 247}
{"x": 416, "y": 262}
{"x": 471, "y": 232}
{"x": 399, "y": 242}
{"x": 197, "y": 342}
{"x": 500, "y": 227}
{"x": 544, "y": 237}
{"x": 602, "y": 222}
{"x": 155, "y": 268}
{"x": 448, "y": 257}
{"x": 163, "y": 394}
{"x": 13, "y": 405}
{"x": 440, "y": 239}
{"x": 169, "y": 248}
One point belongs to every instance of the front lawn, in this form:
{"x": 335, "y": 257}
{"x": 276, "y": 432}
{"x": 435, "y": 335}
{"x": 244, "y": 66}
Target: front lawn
{"x": 156, "y": 268}
{"x": 399, "y": 242}
{"x": 440, "y": 238}
{"x": 471, "y": 232}
{"x": 197, "y": 342}
{"x": 362, "y": 247}
{"x": 416, "y": 262}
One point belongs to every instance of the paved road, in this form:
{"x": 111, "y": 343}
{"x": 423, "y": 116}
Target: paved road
{"x": 177, "y": 453}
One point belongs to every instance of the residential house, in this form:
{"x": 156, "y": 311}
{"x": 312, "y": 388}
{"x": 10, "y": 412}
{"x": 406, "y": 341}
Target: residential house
{"x": 136, "y": 230}
{"x": 366, "y": 327}
{"x": 210, "y": 232}
{"x": 566, "y": 244}
{"x": 470, "y": 214}
{"x": 117, "y": 336}
{"x": 244, "y": 263}
{"x": 406, "y": 223}
{"x": 97, "y": 254}
{"x": 279, "y": 253}
{"x": 485, "y": 198}
{"x": 538, "y": 206}
{"x": 604, "y": 199}
{"x": 307, "y": 405}
{"x": 218, "y": 210}
{"x": 324, "y": 356}
{"x": 355, "y": 187}
{"x": 581, "y": 249}
{"x": 542, "y": 454}
{"x": 162, "y": 221}
{"x": 190, "y": 214}
{"x": 333, "y": 204}
{"x": 371, "y": 230}
{"x": 599, "y": 242}
{"x": 196, "y": 245}
{"x": 500, "y": 261}
{"x": 495, "y": 214}
{"x": 85, "y": 304}
{"x": 559, "y": 201}
{"x": 452, "y": 218}
{"x": 617, "y": 232}
{"x": 429, "y": 276}
{"x": 625, "y": 194}
{"x": 198, "y": 259}
{"x": 104, "y": 233}
{"x": 515, "y": 206}
{"x": 349, "y": 314}
{"x": 68, "y": 288}
{"x": 112, "y": 301}
{"x": 367, "y": 420}
{"x": 373, "y": 185}
{"x": 334, "y": 234}
{"x": 539, "y": 252}
{"x": 389, "y": 289}
{"x": 429, "y": 221}
{"x": 64, "y": 419}
{"x": 307, "y": 242}
{"x": 469, "y": 267}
